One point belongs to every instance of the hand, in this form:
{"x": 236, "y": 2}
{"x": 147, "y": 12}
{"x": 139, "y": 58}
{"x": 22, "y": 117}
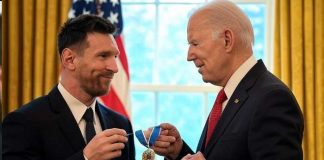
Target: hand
{"x": 169, "y": 143}
{"x": 197, "y": 156}
{"x": 106, "y": 145}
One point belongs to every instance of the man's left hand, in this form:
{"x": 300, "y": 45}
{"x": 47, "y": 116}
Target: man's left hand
{"x": 197, "y": 156}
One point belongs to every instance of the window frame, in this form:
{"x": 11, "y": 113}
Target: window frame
{"x": 207, "y": 88}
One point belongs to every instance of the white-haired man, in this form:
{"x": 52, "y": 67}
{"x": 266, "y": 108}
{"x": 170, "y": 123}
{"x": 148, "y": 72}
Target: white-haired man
{"x": 255, "y": 116}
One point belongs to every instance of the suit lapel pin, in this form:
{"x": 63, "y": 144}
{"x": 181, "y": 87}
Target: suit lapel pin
{"x": 236, "y": 101}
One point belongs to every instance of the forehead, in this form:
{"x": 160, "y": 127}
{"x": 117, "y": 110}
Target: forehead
{"x": 95, "y": 36}
{"x": 100, "y": 39}
{"x": 99, "y": 42}
{"x": 201, "y": 20}
{"x": 198, "y": 25}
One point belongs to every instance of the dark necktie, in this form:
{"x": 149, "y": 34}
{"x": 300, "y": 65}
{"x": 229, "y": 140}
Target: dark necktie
{"x": 90, "y": 131}
{"x": 215, "y": 114}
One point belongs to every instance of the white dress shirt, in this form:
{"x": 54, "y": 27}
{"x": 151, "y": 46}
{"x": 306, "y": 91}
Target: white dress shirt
{"x": 78, "y": 109}
{"x": 236, "y": 78}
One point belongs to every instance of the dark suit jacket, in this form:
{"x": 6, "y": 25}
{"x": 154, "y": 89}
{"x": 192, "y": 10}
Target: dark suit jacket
{"x": 45, "y": 129}
{"x": 265, "y": 124}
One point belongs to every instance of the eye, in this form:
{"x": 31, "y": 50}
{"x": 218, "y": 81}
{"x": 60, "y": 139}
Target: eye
{"x": 103, "y": 55}
{"x": 193, "y": 43}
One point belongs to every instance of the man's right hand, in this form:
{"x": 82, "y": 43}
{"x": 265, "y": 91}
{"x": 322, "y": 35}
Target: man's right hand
{"x": 107, "y": 144}
{"x": 169, "y": 143}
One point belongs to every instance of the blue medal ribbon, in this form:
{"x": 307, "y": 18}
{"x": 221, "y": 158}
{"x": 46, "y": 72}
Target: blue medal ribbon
{"x": 151, "y": 140}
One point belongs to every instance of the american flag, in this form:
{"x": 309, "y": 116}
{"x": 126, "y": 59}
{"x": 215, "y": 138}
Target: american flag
{"x": 118, "y": 96}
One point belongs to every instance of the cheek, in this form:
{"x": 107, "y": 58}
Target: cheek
{"x": 215, "y": 60}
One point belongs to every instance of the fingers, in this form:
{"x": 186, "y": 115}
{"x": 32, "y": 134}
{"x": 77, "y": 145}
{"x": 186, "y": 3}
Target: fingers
{"x": 166, "y": 138}
{"x": 164, "y": 132}
{"x": 116, "y": 138}
{"x": 164, "y": 141}
{"x": 161, "y": 151}
{"x": 108, "y": 137}
{"x": 187, "y": 157}
{"x": 114, "y": 147}
{"x": 197, "y": 156}
{"x": 113, "y": 131}
{"x": 107, "y": 144}
{"x": 167, "y": 126}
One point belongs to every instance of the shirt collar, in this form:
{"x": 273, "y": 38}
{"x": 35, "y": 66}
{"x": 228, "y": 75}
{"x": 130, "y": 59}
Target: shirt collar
{"x": 238, "y": 75}
{"x": 77, "y": 107}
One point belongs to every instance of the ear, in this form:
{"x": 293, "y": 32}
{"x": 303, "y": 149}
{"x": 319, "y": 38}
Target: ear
{"x": 67, "y": 58}
{"x": 229, "y": 40}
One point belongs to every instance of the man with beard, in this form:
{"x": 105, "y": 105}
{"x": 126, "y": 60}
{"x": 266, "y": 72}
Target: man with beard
{"x": 69, "y": 123}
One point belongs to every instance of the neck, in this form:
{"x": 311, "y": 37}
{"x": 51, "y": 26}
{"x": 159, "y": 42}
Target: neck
{"x": 236, "y": 61}
{"x": 72, "y": 86}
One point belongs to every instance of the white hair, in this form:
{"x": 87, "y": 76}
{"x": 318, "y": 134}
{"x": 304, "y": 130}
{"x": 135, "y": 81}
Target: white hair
{"x": 224, "y": 14}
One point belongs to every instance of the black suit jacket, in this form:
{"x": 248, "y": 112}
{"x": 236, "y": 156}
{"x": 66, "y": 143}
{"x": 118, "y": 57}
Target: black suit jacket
{"x": 262, "y": 121}
{"x": 45, "y": 129}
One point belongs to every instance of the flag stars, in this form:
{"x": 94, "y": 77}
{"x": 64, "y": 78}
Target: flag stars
{"x": 113, "y": 17}
{"x": 71, "y": 13}
{"x": 114, "y": 2}
{"x": 89, "y": 1}
{"x": 101, "y": 13}
{"x": 85, "y": 11}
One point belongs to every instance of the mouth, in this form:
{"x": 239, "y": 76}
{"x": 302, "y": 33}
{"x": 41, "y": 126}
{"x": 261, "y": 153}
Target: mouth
{"x": 200, "y": 68}
{"x": 108, "y": 76}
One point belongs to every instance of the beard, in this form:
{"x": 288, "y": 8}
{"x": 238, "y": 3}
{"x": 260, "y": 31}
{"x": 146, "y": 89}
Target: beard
{"x": 96, "y": 92}
{"x": 95, "y": 87}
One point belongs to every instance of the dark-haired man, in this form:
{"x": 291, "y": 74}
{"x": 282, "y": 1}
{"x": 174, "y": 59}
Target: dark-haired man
{"x": 69, "y": 123}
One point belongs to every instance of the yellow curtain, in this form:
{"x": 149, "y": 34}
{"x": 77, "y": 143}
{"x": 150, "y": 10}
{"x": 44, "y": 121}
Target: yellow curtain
{"x": 30, "y": 58}
{"x": 299, "y": 62}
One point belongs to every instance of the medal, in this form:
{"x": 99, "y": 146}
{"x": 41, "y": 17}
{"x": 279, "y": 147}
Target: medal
{"x": 149, "y": 153}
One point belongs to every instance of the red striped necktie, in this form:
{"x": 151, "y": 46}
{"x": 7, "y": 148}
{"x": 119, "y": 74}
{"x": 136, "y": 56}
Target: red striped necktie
{"x": 215, "y": 114}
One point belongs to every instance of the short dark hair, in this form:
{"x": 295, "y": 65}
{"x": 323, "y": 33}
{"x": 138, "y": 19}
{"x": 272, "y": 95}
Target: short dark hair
{"x": 75, "y": 30}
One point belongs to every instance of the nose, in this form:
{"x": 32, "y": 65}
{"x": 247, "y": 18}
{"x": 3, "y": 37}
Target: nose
{"x": 190, "y": 56}
{"x": 112, "y": 65}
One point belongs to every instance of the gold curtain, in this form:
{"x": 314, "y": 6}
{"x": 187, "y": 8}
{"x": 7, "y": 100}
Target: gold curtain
{"x": 30, "y": 58}
{"x": 299, "y": 62}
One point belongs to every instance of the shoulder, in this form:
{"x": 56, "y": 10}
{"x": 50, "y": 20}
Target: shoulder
{"x": 35, "y": 106}
{"x": 269, "y": 84}
{"x": 29, "y": 113}
{"x": 111, "y": 113}
{"x": 113, "y": 118}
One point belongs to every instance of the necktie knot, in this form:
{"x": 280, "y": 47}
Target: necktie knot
{"x": 88, "y": 115}
{"x": 221, "y": 97}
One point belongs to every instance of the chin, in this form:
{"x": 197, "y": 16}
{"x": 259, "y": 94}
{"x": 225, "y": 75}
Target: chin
{"x": 205, "y": 79}
{"x": 98, "y": 92}
{"x": 210, "y": 81}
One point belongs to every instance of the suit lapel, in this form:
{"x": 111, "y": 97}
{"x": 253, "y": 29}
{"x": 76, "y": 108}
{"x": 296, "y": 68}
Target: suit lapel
{"x": 65, "y": 120}
{"x": 201, "y": 143}
{"x": 103, "y": 117}
{"x": 234, "y": 104}
{"x": 232, "y": 107}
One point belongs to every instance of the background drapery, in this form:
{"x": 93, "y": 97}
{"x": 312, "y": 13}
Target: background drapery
{"x": 299, "y": 62}
{"x": 30, "y": 58}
